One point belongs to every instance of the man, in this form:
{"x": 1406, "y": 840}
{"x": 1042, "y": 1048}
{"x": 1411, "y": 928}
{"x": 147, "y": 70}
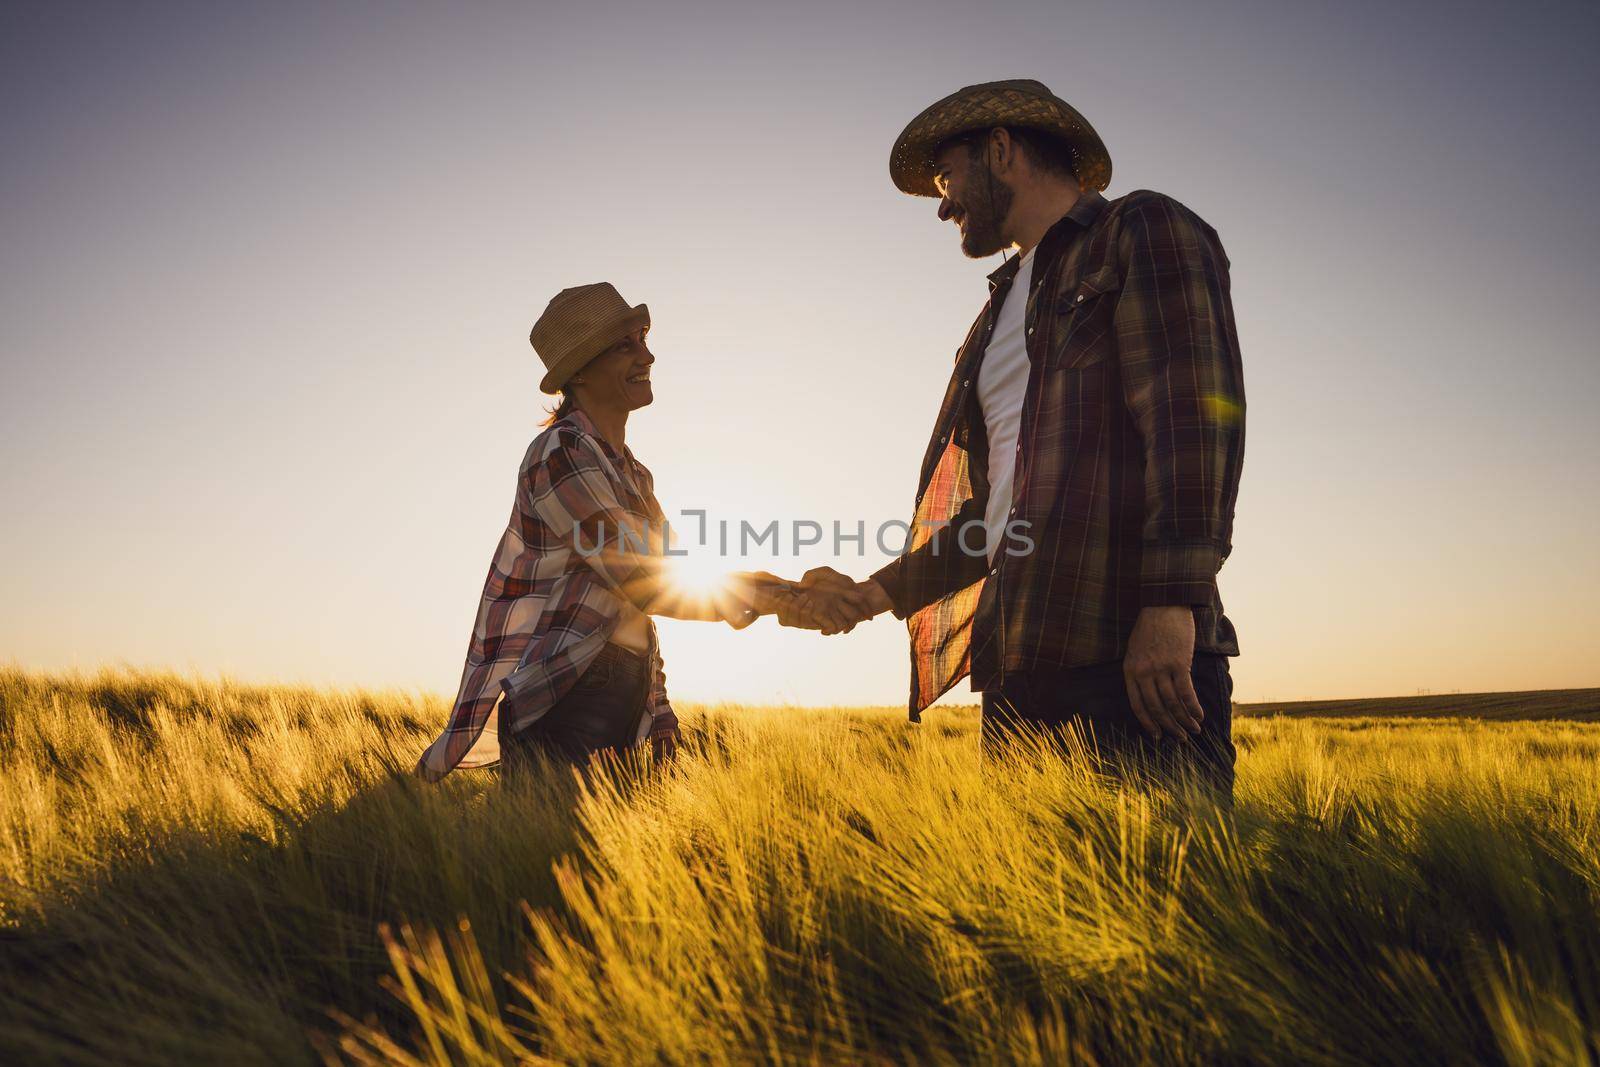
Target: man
{"x": 1076, "y": 499}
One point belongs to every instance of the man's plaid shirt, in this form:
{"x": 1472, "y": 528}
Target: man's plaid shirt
{"x": 1128, "y": 460}
{"x": 584, "y": 535}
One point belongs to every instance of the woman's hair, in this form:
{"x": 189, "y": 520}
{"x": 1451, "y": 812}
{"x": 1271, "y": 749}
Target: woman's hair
{"x": 561, "y": 410}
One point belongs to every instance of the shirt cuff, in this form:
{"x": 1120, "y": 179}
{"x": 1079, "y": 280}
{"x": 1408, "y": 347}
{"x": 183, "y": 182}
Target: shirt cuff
{"x": 1179, "y": 573}
{"x": 891, "y": 578}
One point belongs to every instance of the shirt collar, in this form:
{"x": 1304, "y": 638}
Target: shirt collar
{"x": 586, "y": 425}
{"x": 1084, "y": 211}
{"x": 582, "y": 421}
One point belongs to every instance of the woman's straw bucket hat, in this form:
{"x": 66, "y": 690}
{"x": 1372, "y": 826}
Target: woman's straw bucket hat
{"x": 1022, "y": 102}
{"x": 577, "y": 325}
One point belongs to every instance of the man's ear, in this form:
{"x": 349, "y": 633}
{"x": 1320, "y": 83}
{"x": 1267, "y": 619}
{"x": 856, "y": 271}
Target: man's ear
{"x": 1004, "y": 148}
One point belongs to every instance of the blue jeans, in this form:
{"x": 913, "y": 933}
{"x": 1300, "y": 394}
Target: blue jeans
{"x": 600, "y": 713}
{"x": 1093, "y": 701}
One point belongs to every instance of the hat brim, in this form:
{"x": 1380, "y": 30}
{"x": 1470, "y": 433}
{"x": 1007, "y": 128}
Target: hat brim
{"x": 603, "y": 337}
{"x": 977, "y": 107}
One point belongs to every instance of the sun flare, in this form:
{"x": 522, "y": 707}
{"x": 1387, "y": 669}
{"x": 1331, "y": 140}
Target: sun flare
{"x": 699, "y": 573}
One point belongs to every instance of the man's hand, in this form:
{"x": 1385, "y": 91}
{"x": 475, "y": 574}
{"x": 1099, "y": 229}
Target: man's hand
{"x": 755, "y": 593}
{"x": 1160, "y": 655}
{"x": 838, "y": 601}
{"x": 823, "y": 600}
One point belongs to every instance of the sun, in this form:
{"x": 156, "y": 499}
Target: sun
{"x": 700, "y": 573}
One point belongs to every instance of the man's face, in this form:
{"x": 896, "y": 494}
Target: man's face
{"x": 972, "y": 197}
{"x": 618, "y": 379}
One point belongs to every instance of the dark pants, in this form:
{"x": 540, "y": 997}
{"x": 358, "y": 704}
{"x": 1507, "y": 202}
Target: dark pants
{"x": 1093, "y": 702}
{"x": 600, "y": 713}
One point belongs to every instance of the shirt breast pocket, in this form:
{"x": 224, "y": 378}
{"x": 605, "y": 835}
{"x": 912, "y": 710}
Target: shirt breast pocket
{"x": 1081, "y": 329}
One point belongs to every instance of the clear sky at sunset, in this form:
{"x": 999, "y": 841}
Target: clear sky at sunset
{"x": 269, "y": 270}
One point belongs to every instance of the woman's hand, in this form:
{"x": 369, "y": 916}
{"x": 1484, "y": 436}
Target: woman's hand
{"x": 752, "y": 594}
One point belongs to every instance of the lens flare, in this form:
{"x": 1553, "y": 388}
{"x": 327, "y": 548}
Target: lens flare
{"x": 699, "y": 573}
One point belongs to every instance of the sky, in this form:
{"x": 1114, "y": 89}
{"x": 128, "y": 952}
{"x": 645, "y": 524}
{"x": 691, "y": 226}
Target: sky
{"x": 267, "y": 274}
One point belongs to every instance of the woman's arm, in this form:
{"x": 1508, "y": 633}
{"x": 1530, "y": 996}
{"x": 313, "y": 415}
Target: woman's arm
{"x": 573, "y": 495}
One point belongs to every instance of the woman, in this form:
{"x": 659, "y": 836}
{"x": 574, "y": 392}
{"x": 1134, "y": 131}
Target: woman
{"x": 563, "y": 639}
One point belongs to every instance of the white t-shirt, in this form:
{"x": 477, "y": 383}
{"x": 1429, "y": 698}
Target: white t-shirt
{"x": 1002, "y": 383}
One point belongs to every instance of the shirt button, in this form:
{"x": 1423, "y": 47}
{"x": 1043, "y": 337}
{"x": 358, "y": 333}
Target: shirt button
{"x": 942, "y": 440}
{"x": 1030, "y": 331}
{"x": 1080, "y": 298}
{"x": 966, "y": 383}
{"x": 994, "y": 572}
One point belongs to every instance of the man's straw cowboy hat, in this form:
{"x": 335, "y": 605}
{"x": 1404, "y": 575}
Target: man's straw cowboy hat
{"x": 1021, "y": 102}
{"x": 579, "y": 324}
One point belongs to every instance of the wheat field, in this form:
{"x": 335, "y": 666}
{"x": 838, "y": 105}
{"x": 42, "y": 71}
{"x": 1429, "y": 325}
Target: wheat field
{"x": 200, "y": 871}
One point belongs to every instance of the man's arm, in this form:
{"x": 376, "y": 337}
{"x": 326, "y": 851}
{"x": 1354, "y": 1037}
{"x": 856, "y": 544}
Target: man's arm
{"x": 938, "y": 567}
{"x": 1182, "y": 386}
{"x": 953, "y": 557}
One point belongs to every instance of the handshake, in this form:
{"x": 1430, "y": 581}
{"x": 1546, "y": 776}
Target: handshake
{"x": 822, "y": 600}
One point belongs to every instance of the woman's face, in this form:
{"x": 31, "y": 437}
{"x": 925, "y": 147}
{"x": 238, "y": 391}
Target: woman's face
{"x": 618, "y": 379}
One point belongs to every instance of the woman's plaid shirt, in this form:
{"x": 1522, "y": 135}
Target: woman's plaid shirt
{"x": 585, "y": 534}
{"x": 1128, "y": 459}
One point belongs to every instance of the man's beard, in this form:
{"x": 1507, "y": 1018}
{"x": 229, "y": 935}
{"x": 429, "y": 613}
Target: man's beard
{"x": 987, "y": 204}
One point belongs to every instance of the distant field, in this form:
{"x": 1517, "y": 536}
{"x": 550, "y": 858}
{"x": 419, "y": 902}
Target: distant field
{"x": 1580, "y": 705}
{"x": 202, "y": 872}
